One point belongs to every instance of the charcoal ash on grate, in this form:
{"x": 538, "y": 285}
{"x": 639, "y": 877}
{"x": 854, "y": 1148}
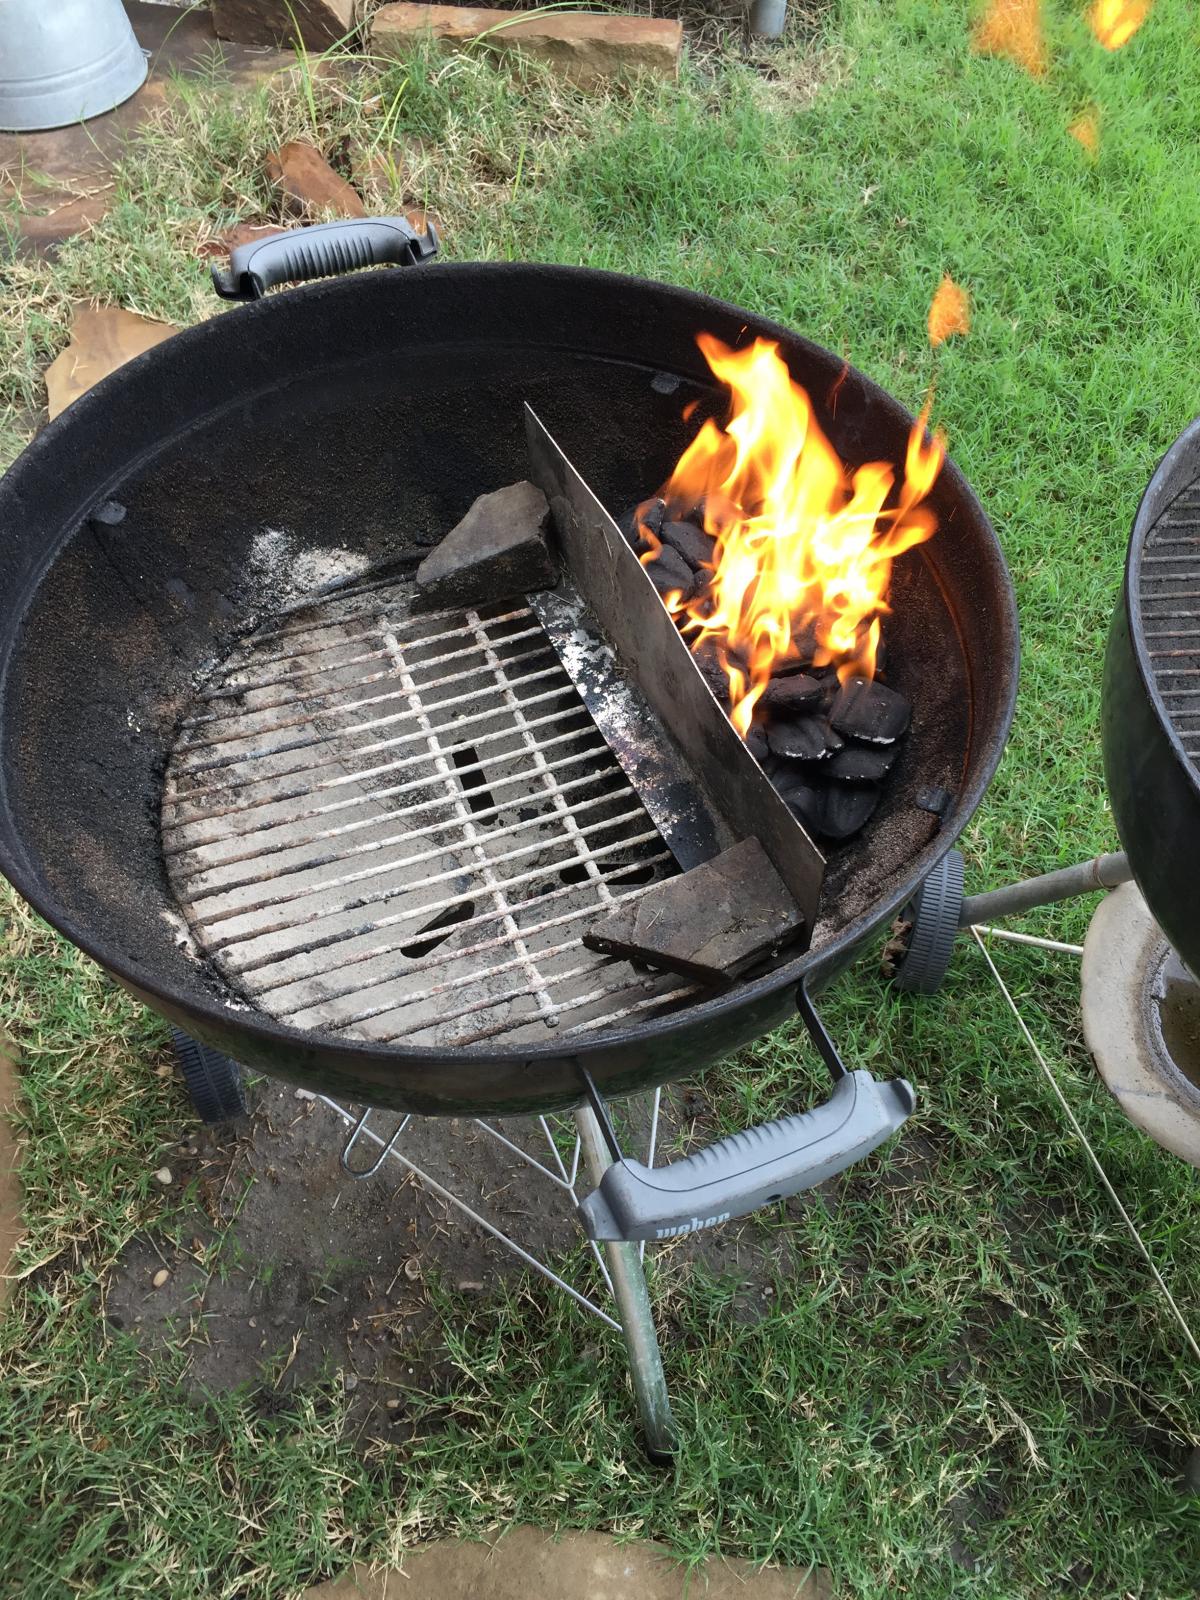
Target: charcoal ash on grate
{"x": 827, "y": 746}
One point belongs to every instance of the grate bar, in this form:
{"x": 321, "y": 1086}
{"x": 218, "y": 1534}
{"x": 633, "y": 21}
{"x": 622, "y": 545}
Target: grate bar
{"x": 344, "y": 879}
{"x": 554, "y": 790}
{"x": 593, "y": 748}
{"x": 378, "y": 895}
{"x": 463, "y": 981}
{"x": 425, "y": 964}
{"x": 486, "y": 863}
{"x": 231, "y": 691}
{"x": 1168, "y": 585}
{"x": 577, "y": 1004}
{"x": 650, "y": 1003}
{"x": 374, "y": 632}
{"x": 508, "y": 1024}
{"x": 338, "y": 759}
{"x": 319, "y": 737}
{"x": 308, "y": 702}
{"x": 410, "y": 838}
{"x": 536, "y": 875}
{"x": 439, "y": 802}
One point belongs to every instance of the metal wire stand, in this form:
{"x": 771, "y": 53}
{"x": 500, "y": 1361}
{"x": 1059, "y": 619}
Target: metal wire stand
{"x": 621, "y": 1264}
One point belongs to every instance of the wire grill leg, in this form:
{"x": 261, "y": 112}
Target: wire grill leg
{"x": 633, "y": 1308}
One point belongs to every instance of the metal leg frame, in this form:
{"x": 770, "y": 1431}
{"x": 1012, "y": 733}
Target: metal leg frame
{"x": 632, "y": 1296}
{"x": 620, "y": 1263}
{"x": 767, "y": 18}
{"x": 1104, "y": 872}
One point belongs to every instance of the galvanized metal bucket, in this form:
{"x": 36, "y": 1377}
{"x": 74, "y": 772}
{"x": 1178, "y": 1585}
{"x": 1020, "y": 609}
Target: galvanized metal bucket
{"x": 63, "y": 61}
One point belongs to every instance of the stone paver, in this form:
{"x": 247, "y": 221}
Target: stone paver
{"x": 585, "y": 46}
{"x": 527, "y": 1564}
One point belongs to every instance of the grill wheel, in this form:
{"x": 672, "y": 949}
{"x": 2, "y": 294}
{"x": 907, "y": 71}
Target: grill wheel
{"x": 933, "y": 917}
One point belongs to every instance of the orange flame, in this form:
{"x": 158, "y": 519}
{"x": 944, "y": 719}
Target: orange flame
{"x": 1013, "y": 28}
{"x": 804, "y": 548}
{"x": 1114, "y": 22}
{"x": 949, "y": 312}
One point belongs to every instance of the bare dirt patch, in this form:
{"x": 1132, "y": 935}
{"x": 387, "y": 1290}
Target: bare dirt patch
{"x": 286, "y": 1269}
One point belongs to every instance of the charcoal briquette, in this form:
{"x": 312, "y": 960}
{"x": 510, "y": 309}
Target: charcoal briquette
{"x": 756, "y": 743}
{"x": 791, "y": 695}
{"x": 845, "y": 808}
{"x": 649, "y": 514}
{"x": 715, "y": 677}
{"x": 803, "y": 739}
{"x": 869, "y": 712}
{"x": 670, "y": 573}
{"x": 653, "y": 515}
{"x": 694, "y": 545}
{"x": 862, "y": 763}
{"x": 798, "y": 791}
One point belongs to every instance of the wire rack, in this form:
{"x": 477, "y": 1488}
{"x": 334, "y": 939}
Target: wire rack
{"x": 397, "y": 826}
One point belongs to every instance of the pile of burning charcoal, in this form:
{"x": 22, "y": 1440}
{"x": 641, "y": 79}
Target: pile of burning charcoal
{"x": 826, "y": 746}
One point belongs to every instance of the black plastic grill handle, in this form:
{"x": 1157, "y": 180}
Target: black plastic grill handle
{"x": 322, "y": 250}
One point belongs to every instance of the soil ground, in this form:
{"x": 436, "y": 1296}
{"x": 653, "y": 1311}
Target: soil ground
{"x": 287, "y": 1269}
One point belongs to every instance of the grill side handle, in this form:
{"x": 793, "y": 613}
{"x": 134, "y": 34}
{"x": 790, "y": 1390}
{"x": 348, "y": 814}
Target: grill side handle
{"x": 322, "y": 250}
{"x": 755, "y": 1167}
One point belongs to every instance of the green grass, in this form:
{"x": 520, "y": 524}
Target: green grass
{"x": 965, "y": 1384}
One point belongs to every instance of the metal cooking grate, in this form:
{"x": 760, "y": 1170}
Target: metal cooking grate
{"x": 1169, "y": 601}
{"x": 398, "y": 826}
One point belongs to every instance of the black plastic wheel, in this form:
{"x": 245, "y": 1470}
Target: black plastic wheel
{"x": 925, "y": 951}
{"x": 214, "y": 1082}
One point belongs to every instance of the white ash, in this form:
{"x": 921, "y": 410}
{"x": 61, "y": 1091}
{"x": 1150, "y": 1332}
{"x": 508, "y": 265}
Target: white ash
{"x": 276, "y": 558}
{"x": 182, "y": 934}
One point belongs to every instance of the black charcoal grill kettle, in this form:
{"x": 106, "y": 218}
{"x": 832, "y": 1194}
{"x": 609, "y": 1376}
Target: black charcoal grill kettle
{"x": 138, "y": 537}
{"x": 1151, "y": 700}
